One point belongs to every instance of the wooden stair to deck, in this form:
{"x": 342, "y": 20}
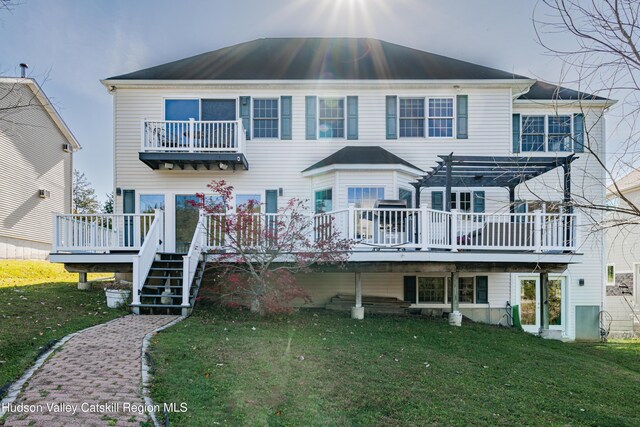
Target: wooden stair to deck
{"x": 372, "y": 304}
{"x": 162, "y": 289}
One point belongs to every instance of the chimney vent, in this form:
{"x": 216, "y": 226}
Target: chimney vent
{"x": 23, "y": 70}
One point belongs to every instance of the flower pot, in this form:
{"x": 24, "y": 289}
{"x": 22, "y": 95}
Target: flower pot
{"x": 117, "y": 297}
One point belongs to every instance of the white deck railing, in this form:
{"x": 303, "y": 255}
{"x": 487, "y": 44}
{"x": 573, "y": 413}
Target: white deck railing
{"x": 99, "y": 232}
{"x": 144, "y": 259}
{"x": 422, "y": 228}
{"x": 191, "y": 260}
{"x": 193, "y": 136}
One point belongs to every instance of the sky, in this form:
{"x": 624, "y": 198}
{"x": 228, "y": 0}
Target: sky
{"x": 70, "y": 45}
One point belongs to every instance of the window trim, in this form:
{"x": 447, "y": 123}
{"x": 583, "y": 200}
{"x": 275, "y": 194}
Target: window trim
{"x": 426, "y": 117}
{"x": 252, "y": 118}
{"x": 546, "y": 132}
{"x": 344, "y": 117}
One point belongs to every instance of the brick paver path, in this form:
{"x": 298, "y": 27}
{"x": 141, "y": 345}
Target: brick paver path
{"x": 100, "y": 366}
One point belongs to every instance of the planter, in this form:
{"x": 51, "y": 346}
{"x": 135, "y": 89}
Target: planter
{"x": 117, "y": 297}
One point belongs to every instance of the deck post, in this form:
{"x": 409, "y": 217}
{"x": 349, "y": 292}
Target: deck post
{"x": 455, "y": 317}
{"x": 192, "y": 129}
{"x": 357, "y": 312}
{"x": 537, "y": 231}
{"x": 544, "y": 307}
{"x": 352, "y": 222}
{"x": 83, "y": 285}
{"x": 423, "y": 229}
{"x": 454, "y": 231}
{"x": 136, "y": 281}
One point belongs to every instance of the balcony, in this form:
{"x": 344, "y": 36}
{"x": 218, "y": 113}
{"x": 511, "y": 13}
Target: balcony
{"x": 193, "y": 144}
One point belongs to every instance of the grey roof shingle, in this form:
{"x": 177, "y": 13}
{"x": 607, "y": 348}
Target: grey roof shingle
{"x": 541, "y": 90}
{"x": 317, "y": 58}
{"x": 368, "y": 155}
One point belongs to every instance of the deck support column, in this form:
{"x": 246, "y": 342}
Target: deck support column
{"x": 83, "y": 285}
{"x": 455, "y": 317}
{"x": 544, "y": 306}
{"x": 357, "y": 312}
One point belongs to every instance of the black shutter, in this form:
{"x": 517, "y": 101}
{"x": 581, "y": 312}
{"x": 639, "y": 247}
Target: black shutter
{"x": 410, "y": 289}
{"x": 482, "y": 289}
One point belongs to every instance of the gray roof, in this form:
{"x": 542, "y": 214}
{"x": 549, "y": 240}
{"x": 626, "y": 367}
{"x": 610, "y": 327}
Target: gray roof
{"x": 318, "y": 58}
{"x": 371, "y": 155}
{"x": 541, "y": 90}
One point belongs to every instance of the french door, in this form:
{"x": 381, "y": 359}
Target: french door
{"x": 530, "y": 302}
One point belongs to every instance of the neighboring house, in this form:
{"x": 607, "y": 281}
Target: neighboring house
{"x": 35, "y": 169}
{"x": 623, "y": 258}
{"x": 348, "y": 122}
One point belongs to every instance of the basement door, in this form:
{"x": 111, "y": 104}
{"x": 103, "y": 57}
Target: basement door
{"x": 529, "y": 300}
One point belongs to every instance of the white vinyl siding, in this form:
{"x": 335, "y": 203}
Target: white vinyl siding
{"x": 32, "y": 159}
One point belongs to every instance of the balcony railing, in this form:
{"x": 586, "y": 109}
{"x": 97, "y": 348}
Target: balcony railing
{"x": 193, "y": 136}
{"x": 100, "y": 232}
{"x": 424, "y": 229}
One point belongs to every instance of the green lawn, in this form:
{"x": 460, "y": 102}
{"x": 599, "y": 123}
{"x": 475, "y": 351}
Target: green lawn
{"x": 322, "y": 368}
{"x": 39, "y": 303}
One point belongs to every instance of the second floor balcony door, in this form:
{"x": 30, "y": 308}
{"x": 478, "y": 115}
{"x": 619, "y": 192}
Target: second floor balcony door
{"x": 221, "y": 133}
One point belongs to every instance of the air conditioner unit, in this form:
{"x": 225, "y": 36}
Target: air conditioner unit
{"x": 44, "y": 194}
{"x": 66, "y": 148}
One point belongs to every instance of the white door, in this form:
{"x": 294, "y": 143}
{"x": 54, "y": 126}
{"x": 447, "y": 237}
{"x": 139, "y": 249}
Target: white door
{"x": 529, "y": 301}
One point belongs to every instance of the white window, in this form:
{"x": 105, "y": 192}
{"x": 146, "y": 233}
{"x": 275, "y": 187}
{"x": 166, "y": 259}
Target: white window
{"x": 440, "y": 117}
{"x": 431, "y": 290}
{"x": 546, "y": 133}
{"x": 331, "y": 117}
{"x": 265, "y": 118}
{"x": 462, "y": 201}
{"x": 364, "y": 197}
{"x": 411, "y": 117}
{"x": 466, "y": 290}
{"x": 611, "y": 274}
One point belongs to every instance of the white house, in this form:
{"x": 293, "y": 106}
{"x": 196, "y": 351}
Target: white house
{"x": 623, "y": 258}
{"x": 470, "y": 150}
{"x": 35, "y": 169}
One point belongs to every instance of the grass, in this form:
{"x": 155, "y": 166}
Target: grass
{"x": 39, "y": 304}
{"x": 321, "y": 368}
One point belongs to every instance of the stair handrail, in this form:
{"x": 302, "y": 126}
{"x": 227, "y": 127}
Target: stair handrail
{"x": 191, "y": 259}
{"x": 143, "y": 260}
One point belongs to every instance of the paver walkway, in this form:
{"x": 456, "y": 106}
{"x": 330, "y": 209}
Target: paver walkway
{"x": 97, "y": 373}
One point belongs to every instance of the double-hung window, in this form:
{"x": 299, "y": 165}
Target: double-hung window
{"x": 411, "y": 117}
{"x": 546, "y": 133}
{"x": 466, "y": 290}
{"x": 265, "y": 118}
{"x": 438, "y": 116}
{"x": 431, "y": 290}
{"x": 331, "y": 117}
{"x": 532, "y": 133}
{"x": 441, "y": 117}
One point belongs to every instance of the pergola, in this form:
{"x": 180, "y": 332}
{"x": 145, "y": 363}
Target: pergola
{"x": 492, "y": 171}
{"x": 495, "y": 171}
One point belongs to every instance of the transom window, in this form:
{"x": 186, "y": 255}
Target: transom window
{"x": 411, "y": 117}
{"x": 441, "y": 117}
{"x": 265, "y": 118}
{"x": 547, "y": 133}
{"x": 331, "y": 117}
